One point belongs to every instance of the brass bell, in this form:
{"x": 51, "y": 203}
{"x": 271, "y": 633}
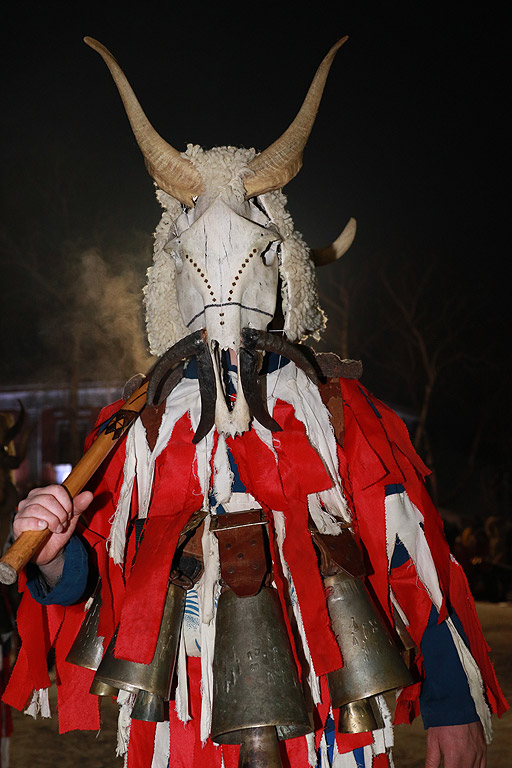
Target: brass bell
{"x": 360, "y": 716}
{"x": 152, "y": 681}
{"x": 372, "y": 663}
{"x": 257, "y": 697}
{"x": 87, "y": 648}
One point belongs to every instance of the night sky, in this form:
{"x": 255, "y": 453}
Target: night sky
{"x": 409, "y": 139}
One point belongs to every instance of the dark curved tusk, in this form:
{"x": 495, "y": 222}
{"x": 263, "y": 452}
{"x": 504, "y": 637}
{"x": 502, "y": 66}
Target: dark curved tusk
{"x": 208, "y": 391}
{"x": 170, "y": 362}
{"x": 249, "y": 378}
{"x": 302, "y": 356}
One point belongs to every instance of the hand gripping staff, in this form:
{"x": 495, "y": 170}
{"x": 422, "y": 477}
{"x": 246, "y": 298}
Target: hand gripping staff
{"x": 159, "y": 381}
{"x": 25, "y": 547}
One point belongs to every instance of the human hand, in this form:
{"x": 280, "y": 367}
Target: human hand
{"x": 460, "y": 746}
{"x": 52, "y": 508}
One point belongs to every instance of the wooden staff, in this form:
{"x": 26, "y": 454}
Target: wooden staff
{"x": 27, "y": 544}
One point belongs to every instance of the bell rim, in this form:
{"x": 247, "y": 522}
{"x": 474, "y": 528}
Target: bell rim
{"x": 233, "y": 737}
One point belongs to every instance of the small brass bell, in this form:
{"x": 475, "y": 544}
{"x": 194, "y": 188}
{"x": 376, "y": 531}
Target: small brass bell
{"x": 360, "y": 716}
{"x": 257, "y": 696}
{"x": 151, "y": 682}
{"x": 372, "y": 663}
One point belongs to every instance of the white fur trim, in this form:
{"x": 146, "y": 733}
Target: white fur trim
{"x": 222, "y": 170}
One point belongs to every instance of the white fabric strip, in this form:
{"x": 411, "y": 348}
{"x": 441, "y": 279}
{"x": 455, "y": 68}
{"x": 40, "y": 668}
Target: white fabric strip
{"x": 383, "y": 737}
{"x": 181, "y": 701}
{"x": 312, "y": 756}
{"x": 403, "y": 519}
{"x": 125, "y": 701}
{"x": 39, "y": 704}
{"x": 475, "y": 682}
{"x": 162, "y": 746}
{"x": 117, "y": 537}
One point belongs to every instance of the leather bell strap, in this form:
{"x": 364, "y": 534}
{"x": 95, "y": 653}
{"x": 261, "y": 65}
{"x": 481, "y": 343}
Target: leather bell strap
{"x": 242, "y": 551}
{"x": 338, "y": 554}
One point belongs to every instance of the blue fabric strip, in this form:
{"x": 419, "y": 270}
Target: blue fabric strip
{"x": 445, "y": 698}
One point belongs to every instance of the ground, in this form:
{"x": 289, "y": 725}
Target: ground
{"x": 37, "y": 744}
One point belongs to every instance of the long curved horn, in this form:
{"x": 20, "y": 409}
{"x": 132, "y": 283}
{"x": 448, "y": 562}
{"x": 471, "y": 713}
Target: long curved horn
{"x": 282, "y": 160}
{"x": 334, "y": 251}
{"x": 172, "y": 172}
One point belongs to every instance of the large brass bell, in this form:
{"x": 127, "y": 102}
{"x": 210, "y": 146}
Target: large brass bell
{"x": 151, "y": 682}
{"x": 257, "y": 697}
{"x": 372, "y": 663}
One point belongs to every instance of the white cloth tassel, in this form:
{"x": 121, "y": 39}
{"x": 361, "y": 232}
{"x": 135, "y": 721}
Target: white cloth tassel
{"x": 383, "y": 737}
{"x": 182, "y": 687}
{"x": 475, "y": 682}
{"x": 312, "y": 756}
{"x": 323, "y": 520}
{"x": 207, "y": 649}
{"x": 125, "y": 701}
{"x": 206, "y": 586}
{"x": 116, "y": 541}
{"x": 162, "y": 747}
{"x": 223, "y": 478}
{"x": 324, "y": 754}
{"x": 39, "y": 704}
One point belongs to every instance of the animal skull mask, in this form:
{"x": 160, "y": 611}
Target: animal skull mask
{"x": 224, "y": 240}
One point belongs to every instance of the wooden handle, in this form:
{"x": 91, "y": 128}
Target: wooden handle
{"x": 27, "y": 544}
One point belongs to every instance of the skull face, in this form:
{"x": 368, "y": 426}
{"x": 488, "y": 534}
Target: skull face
{"x": 227, "y": 273}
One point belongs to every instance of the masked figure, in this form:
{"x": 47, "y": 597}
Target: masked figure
{"x": 265, "y": 551}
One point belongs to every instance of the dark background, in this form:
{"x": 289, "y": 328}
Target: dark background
{"x": 409, "y": 140}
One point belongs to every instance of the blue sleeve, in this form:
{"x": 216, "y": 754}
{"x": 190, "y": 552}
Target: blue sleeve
{"x": 445, "y": 698}
{"x": 71, "y": 586}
